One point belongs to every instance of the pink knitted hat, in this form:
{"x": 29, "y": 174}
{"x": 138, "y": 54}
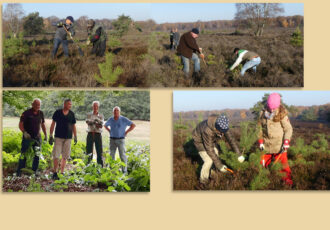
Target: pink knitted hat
{"x": 274, "y": 101}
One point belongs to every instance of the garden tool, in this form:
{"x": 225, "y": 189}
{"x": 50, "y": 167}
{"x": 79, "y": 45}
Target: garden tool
{"x": 79, "y": 49}
{"x": 229, "y": 170}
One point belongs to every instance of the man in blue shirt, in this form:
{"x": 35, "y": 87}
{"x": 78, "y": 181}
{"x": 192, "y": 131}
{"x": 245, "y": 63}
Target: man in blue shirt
{"x": 116, "y": 126}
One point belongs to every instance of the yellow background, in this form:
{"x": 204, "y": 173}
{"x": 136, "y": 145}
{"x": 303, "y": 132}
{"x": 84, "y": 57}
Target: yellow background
{"x": 164, "y": 209}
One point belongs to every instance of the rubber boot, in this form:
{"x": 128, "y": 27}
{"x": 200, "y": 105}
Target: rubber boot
{"x": 35, "y": 164}
{"x": 21, "y": 164}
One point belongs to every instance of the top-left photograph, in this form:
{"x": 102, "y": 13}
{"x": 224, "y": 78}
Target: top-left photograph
{"x": 148, "y": 45}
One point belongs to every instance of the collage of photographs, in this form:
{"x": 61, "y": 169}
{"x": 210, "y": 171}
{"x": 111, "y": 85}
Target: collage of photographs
{"x": 76, "y": 97}
{"x": 164, "y": 115}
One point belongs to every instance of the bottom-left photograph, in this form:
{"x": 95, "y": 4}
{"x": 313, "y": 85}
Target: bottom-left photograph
{"x": 75, "y": 141}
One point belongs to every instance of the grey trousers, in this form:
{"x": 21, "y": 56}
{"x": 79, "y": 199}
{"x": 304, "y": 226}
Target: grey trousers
{"x": 120, "y": 144}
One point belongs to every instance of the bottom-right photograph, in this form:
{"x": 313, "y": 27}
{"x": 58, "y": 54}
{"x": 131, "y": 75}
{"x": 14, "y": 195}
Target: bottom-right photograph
{"x": 251, "y": 140}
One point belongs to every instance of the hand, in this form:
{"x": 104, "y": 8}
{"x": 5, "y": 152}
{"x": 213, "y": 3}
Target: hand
{"x": 75, "y": 140}
{"x": 202, "y": 56}
{"x": 261, "y": 144}
{"x": 286, "y": 144}
{"x": 26, "y": 135}
{"x": 223, "y": 169}
{"x": 60, "y": 24}
{"x": 88, "y": 42}
{"x": 51, "y": 140}
{"x": 241, "y": 159}
{"x": 201, "y": 50}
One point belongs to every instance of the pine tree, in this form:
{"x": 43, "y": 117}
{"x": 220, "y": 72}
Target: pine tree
{"x": 109, "y": 75}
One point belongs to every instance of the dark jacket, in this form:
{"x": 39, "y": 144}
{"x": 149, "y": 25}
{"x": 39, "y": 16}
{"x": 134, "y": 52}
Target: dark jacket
{"x": 206, "y": 136}
{"x": 97, "y": 34}
{"x": 187, "y": 45}
{"x": 60, "y": 32}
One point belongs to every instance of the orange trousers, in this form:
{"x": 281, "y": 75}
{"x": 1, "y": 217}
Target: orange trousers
{"x": 282, "y": 158}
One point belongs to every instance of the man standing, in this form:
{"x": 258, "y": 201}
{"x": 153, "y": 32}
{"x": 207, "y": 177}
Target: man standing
{"x": 188, "y": 49}
{"x": 65, "y": 125}
{"x": 64, "y": 27}
{"x": 95, "y": 124}
{"x": 252, "y": 60}
{"x": 171, "y": 38}
{"x": 97, "y": 36}
{"x": 205, "y": 136}
{"x": 118, "y": 132}
{"x": 29, "y": 124}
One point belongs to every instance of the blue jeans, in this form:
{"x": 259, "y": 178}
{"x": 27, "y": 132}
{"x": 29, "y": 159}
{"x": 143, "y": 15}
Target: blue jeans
{"x": 251, "y": 64}
{"x": 185, "y": 62}
{"x": 120, "y": 144}
{"x": 57, "y": 43}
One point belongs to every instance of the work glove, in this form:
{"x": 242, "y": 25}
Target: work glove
{"x": 88, "y": 42}
{"x": 75, "y": 140}
{"x": 202, "y": 56}
{"x": 26, "y": 135}
{"x": 51, "y": 140}
{"x": 241, "y": 159}
{"x": 60, "y": 24}
{"x": 286, "y": 144}
{"x": 261, "y": 144}
{"x": 201, "y": 50}
{"x": 223, "y": 169}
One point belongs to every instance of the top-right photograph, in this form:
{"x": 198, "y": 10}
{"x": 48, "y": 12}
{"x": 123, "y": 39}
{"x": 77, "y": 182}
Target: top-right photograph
{"x": 148, "y": 45}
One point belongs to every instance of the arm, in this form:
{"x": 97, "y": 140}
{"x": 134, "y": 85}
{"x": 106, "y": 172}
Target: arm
{"x": 232, "y": 142}
{"x": 107, "y": 125}
{"x": 132, "y": 126}
{"x": 43, "y": 127}
{"x": 209, "y": 146}
{"x": 21, "y": 126}
{"x": 191, "y": 43}
{"x": 51, "y": 130}
{"x": 238, "y": 60}
{"x": 74, "y": 130}
{"x": 287, "y": 128}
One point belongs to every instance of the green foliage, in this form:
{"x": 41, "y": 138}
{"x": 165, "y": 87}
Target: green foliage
{"x": 134, "y": 104}
{"x": 230, "y": 158}
{"x": 14, "y": 45}
{"x": 261, "y": 181}
{"x": 249, "y": 136}
{"x": 92, "y": 175}
{"x": 308, "y": 115}
{"x": 19, "y": 100}
{"x": 297, "y": 38}
{"x": 122, "y": 25}
{"x": 33, "y": 24}
{"x": 147, "y": 57}
{"x": 211, "y": 60}
{"x": 109, "y": 75}
{"x": 114, "y": 42}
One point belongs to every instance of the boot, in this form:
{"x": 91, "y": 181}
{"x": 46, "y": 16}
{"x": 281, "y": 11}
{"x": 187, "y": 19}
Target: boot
{"x": 35, "y": 163}
{"x": 21, "y": 164}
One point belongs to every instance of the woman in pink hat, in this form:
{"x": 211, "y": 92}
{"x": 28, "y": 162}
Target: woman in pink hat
{"x": 275, "y": 134}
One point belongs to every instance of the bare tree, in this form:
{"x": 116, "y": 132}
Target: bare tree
{"x": 13, "y": 14}
{"x": 82, "y": 22}
{"x": 257, "y": 15}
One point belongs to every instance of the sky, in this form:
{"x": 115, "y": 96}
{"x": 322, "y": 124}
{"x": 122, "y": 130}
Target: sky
{"x": 230, "y": 99}
{"x": 160, "y": 12}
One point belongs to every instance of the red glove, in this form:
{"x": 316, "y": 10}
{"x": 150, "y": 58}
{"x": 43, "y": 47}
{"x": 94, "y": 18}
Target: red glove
{"x": 286, "y": 144}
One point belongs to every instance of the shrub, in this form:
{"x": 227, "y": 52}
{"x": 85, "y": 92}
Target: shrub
{"x": 297, "y": 38}
{"x": 109, "y": 74}
{"x": 14, "y": 45}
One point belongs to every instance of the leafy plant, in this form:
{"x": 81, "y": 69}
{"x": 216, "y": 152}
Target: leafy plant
{"x": 109, "y": 74}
